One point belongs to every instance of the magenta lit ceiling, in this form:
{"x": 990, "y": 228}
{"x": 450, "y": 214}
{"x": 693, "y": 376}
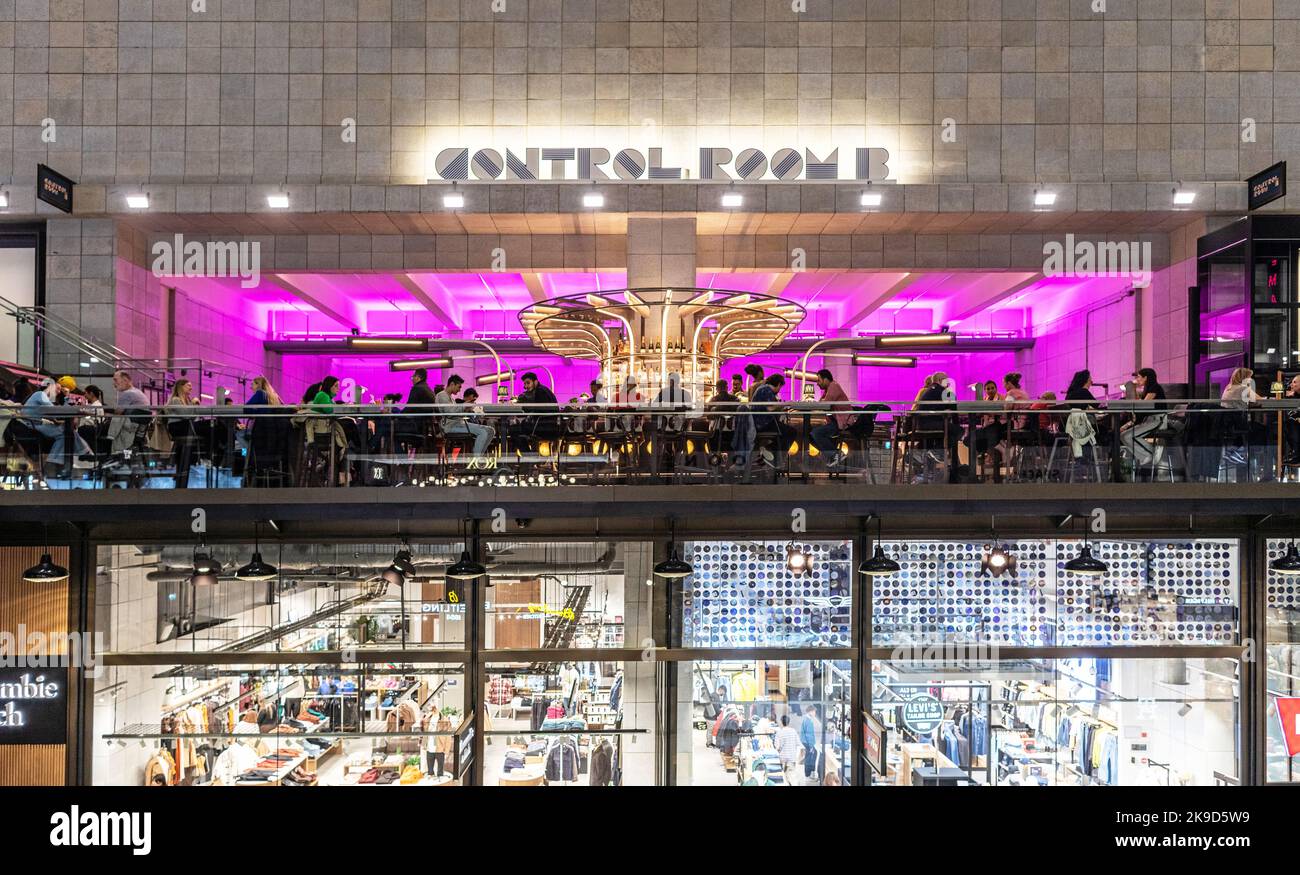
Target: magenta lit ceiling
{"x": 838, "y": 302}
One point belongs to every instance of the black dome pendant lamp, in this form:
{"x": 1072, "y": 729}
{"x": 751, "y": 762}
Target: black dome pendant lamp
{"x": 257, "y": 569}
{"x": 674, "y": 567}
{"x": 45, "y": 571}
{"x": 879, "y": 565}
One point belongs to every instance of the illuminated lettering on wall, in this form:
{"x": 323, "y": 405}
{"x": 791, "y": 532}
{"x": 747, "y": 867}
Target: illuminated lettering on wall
{"x": 714, "y": 165}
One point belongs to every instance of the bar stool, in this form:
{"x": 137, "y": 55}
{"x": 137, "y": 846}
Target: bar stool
{"x": 1164, "y": 445}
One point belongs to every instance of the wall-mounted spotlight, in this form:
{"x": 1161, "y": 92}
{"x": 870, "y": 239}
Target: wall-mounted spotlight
{"x": 1184, "y": 197}
{"x": 454, "y": 199}
{"x": 997, "y": 560}
{"x": 732, "y": 198}
{"x": 278, "y": 200}
{"x": 872, "y": 198}
{"x": 1044, "y": 198}
{"x": 138, "y": 201}
{"x": 593, "y": 199}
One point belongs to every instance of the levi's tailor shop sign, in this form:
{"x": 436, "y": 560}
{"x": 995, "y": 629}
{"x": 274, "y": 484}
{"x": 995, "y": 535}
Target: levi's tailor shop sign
{"x": 54, "y": 188}
{"x": 33, "y": 706}
{"x": 712, "y": 164}
{"x": 923, "y": 714}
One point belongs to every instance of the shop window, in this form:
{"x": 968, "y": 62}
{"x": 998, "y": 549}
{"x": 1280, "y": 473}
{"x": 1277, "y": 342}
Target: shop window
{"x": 1155, "y": 592}
{"x": 567, "y": 595}
{"x": 767, "y": 594}
{"x": 326, "y": 597}
{"x": 1068, "y": 722}
{"x": 224, "y": 725}
{"x": 1282, "y": 669}
{"x": 764, "y": 723}
{"x": 578, "y": 723}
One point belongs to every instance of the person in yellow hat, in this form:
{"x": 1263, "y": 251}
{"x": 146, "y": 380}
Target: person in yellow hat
{"x": 68, "y": 383}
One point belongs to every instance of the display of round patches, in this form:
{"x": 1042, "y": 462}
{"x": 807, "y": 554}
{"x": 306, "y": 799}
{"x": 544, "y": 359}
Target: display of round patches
{"x": 749, "y": 594}
{"x": 1155, "y": 592}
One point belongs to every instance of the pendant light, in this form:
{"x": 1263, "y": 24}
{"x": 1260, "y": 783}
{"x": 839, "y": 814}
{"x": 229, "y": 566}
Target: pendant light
{"x": 402, "y": 568}
{"x": 1085, "y": 563}
{"x": 206, "y": 569}
{"x": 797, "y": 560}
{"x": 45, "y": 571}
{"x": 879, "y": 565}
{"x": 1288, "y": 563}
{"x": 466, "y": 567}
{"x": 674, "y": 567}
{"x": 256, "y": 569}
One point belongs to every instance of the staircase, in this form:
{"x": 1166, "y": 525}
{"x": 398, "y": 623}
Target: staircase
{"x": 560, "y": 630}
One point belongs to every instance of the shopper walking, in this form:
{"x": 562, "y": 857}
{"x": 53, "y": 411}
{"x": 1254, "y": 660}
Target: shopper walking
{"x": 788, "y": 745}
{"x": 810, "y": 731}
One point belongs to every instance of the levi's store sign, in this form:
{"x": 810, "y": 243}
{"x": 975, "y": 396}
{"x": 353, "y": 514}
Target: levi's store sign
{"x": 712, "y": 165}
{"x": 33, "y": 707}
{"x": 1288, "y": 715}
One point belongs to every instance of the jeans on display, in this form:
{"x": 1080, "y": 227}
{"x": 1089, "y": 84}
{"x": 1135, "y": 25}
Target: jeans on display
{"x": 482, "y": 434}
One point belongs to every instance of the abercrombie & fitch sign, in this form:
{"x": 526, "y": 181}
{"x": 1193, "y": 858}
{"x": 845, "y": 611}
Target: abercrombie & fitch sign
{"x": 714, "y": 164}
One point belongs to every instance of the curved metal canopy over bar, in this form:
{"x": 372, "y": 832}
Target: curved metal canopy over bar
{"x": 647, "y": 334}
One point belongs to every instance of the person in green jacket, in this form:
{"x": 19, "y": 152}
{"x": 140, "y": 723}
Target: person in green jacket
{"x": 324, "y": 400}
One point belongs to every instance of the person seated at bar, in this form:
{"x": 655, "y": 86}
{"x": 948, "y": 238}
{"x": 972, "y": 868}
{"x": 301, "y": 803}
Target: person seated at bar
{"x": 825, "y": 437}
{"x": 131, "y": 414}
{"x": 764, "y": 398}
{"x": 738, "y": 387}
{"x": 721, "y": 396}
{"x": 416, "y": 414}
{"x": 990, "y": 431}
{"x": 1291, "y": 424}
{"x": 755, "y": 374}
{"x": 1079, "y": 395}
{"x": 540, "y": 401}
{"x": 597, "y": 394}
{"x": 94, "y": 423}
{"x": 458, "y": 424}
{"x": 46, "y": 396}
{"x": 1132, "y": 435}
{"x": 323, "y": 400}
{"x": 263, "y": 394}
{"x": 183, "y": 428}
{"x": 1046, "y": 401}
{"x": 931, "y": 404}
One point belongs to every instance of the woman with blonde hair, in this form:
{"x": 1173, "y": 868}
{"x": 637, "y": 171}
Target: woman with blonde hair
{"x": 263, "y": 393}
{"x": 1240, "y": 390}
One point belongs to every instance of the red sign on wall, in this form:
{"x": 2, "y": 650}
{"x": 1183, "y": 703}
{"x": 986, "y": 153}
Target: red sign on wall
{"x": 1288, "y": 715}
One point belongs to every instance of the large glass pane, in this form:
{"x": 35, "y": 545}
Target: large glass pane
{"x": 1068, "y": 722}
{"x": 1282, "y": 667}
{"x": 302, "y": 725}
{"x": 570, "y": 724}
{"x": 755, "y": 722}
{"x": 324, "y": 597}
{"x": 558, "y": 595}
{"x": 1153, "y": 592}
{"x": 767, "y": 594}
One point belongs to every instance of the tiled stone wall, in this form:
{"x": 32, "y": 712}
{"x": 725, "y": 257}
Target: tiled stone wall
{"x": 259, "y": 89}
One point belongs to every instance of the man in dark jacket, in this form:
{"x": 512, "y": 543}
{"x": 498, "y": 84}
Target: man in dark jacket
{"x": 532, "y": 425}
{"x": 416, "y": 418}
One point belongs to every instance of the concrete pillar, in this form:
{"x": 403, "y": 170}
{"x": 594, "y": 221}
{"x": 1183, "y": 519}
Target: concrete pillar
{"x": 661, "y": 252}
{"x": 638, "y": 676}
